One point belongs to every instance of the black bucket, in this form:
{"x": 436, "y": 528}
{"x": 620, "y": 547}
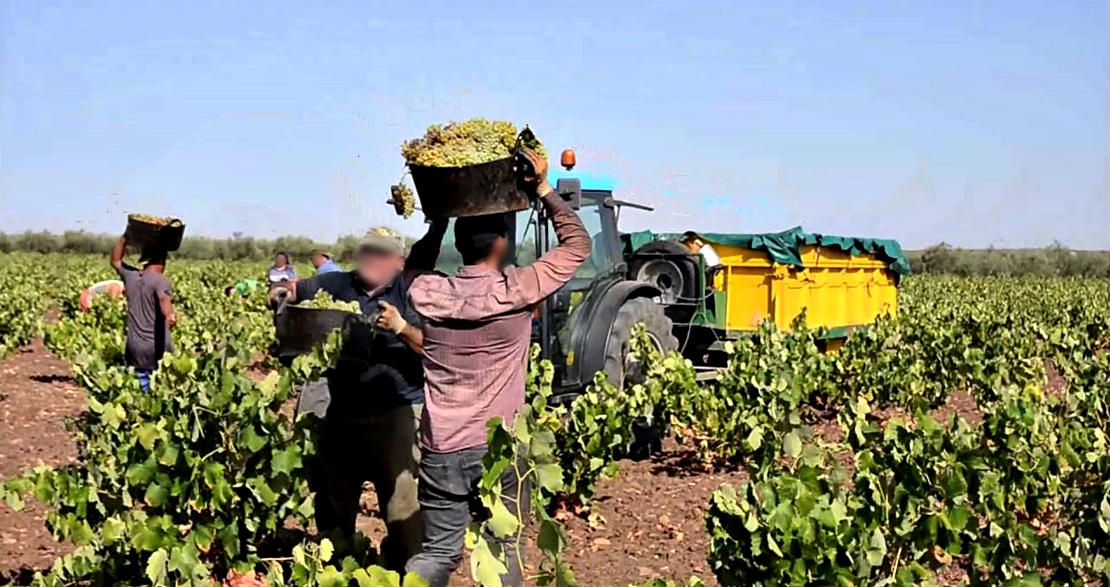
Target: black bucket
{"x": 474, "y": 190}
{"x": 161, "y": 237}
{"x": 299, "y": 329}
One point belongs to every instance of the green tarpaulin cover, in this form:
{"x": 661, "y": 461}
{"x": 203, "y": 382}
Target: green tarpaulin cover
{"x": 785, "y": 247}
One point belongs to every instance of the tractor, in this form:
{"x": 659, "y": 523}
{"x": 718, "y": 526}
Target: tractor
{"x": 691, "y": 291}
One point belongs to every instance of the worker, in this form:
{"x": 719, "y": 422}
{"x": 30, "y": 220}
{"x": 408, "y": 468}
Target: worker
{"x": 244, "y": 288}
{"x": 697, "y": 245}
{"x": 376, "y": 392}
{"x": 476, "y": 336}
{"x": 282, "y": 269}
{"x": 321, "y": 260}
{"x": 112, "y": 287}
{"x": 150, "y": 313}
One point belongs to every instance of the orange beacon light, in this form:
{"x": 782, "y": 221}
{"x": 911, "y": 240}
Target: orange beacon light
{"x": 568, "y": 159}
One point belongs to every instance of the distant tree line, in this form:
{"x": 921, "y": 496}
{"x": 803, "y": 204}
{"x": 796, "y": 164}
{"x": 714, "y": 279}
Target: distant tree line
{"x": 236, "y": 248}
{"x": 1054, "y": 260}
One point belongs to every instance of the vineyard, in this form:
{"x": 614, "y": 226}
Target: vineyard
{"x": 966, "y": 441}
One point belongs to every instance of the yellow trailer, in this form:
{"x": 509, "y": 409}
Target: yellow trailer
{"x": 834, "y": 288}
{"x": 840, "y": 283}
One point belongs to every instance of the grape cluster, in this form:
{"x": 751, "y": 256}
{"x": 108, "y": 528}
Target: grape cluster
{"x": 324, "y": 301}
{"x": 403, "y": 200}
{"x": 458, "y": 144}
{"x": 156, "y": 220}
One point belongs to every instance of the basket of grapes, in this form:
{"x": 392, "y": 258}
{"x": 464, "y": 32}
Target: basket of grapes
{"x": 465, "y": 169}
{"x": 155, "y": 233}
{"x": 298, "y": 328}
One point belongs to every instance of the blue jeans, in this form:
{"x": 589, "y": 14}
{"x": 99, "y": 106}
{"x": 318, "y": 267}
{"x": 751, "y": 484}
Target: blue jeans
{"x": 144, "y": 379}
{"x": 448, "y": 492}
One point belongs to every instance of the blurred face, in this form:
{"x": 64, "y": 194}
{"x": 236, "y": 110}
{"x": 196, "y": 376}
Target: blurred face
{"x": 499, "y": 250}
{"x": 318, "y": 260}
{"x": 280, "y": 261}
{"x": 378, "y": 267}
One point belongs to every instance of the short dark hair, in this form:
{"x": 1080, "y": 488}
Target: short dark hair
{"x": 153, "y": 257}
{"x": 475, "y": 235}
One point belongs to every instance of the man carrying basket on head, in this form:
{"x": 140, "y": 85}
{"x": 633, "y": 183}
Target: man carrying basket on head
{"x": 477, "y": 332}
{"x": 376, "y": 392}
{"x": 150, "y": 313}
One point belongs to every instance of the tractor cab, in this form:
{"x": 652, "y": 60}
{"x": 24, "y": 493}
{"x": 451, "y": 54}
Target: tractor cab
{"x": 590, "y": 197}
{"x": 574, "y": 325}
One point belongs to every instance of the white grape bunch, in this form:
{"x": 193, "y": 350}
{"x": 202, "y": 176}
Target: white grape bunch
{"x": 458, "y": 144}
{"x": 403, "y": 200}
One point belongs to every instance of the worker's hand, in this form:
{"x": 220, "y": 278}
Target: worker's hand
{"x": 390, "y": 319}
{"x": 276, "y": 297}
{"x": 534, "y": 180}
{"x": 437, "y": 225}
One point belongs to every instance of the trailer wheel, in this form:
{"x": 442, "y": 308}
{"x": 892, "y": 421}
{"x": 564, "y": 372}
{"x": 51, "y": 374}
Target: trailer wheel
{"x": 669, "y": 266}
{"x": 621, "y": 365}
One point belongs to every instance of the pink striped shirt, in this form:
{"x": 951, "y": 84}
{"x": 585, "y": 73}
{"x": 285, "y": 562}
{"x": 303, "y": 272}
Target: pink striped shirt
{"x": 477, "y": 329}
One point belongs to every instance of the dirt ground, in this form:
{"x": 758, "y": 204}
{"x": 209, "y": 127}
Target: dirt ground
{"x": 648, "y": 521}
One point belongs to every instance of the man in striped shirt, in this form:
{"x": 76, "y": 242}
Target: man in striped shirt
{"x": 477, "y": 329}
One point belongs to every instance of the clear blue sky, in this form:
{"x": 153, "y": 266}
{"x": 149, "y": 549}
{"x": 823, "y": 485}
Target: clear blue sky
{"x": 972, "y": 122}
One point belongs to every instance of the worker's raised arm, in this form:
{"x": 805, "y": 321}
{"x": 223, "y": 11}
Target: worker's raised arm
{"x": 557, "y": 267}
{"x": 425, "y": 252}
{"x": 118, "y": 250}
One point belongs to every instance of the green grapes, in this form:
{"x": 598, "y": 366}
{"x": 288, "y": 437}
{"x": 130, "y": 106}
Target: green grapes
{"x": 403, "y": 200}
{"x": 156, "y": 220}
{"x": 458, "y": 144}
{"x": 324, "y": 301}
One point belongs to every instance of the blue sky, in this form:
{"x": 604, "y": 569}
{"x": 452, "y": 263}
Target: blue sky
{"x": 971, "y": 122}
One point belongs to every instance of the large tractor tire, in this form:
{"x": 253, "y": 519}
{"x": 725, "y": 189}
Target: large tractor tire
{"x": 622, "y": 368}
{"x": 620, "y": 365}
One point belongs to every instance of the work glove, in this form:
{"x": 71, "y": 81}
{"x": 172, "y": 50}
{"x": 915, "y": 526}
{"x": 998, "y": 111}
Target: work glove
{"x": 277, "y": 297}
{"x": 390, "y": 319}
{"x": 533, "y": 176}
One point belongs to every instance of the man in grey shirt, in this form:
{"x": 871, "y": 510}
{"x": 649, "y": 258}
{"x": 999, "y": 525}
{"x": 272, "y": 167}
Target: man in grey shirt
{"x": 149, "y": 310}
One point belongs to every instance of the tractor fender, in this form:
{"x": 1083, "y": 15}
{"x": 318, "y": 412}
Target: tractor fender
{"x": 593, "y": 322}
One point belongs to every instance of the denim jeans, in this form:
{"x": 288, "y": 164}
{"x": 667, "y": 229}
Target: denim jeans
{"x": 448, "y": 491}
{"x": 144, "y": 379}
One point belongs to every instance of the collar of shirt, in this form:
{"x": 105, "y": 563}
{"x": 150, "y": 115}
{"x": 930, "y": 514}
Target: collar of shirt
{"x": 475, "y": 270}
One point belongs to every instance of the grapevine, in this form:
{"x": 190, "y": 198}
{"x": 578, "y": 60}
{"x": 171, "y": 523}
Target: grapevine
{"x": 857, "y": 470}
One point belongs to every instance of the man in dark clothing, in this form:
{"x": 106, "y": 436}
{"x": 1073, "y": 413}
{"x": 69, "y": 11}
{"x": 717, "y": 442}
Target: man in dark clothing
{"x": 376, "y": 391}
{"x": 150, "y": 312}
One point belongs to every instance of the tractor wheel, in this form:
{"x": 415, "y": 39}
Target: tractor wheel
{"x": 621, "y": 366}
